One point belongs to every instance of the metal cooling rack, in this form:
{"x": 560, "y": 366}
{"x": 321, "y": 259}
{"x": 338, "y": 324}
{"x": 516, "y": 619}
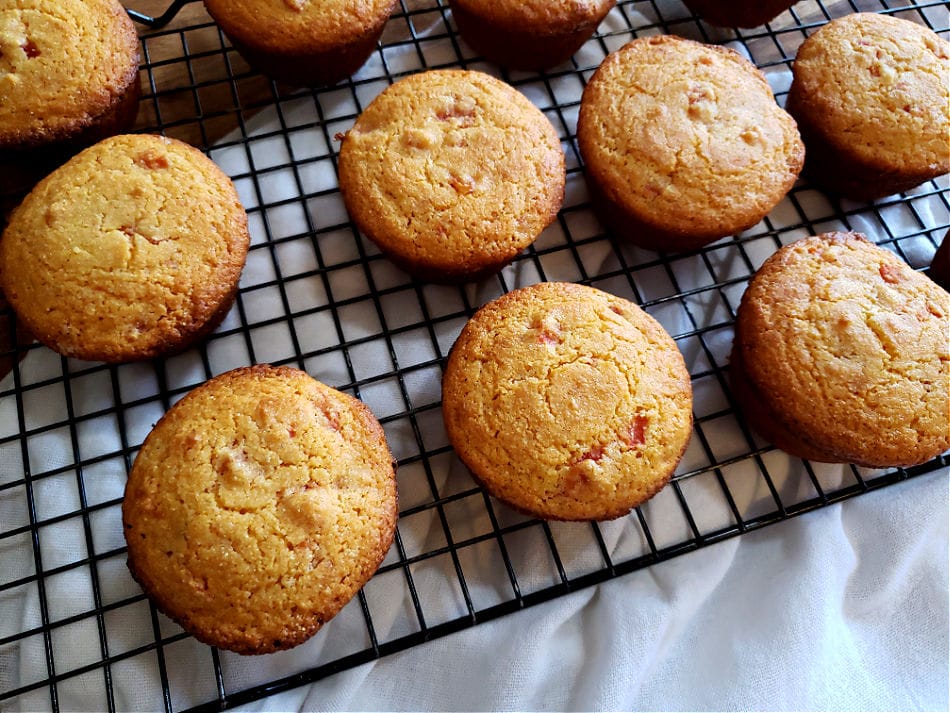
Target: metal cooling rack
{"x": 76, "y": 632}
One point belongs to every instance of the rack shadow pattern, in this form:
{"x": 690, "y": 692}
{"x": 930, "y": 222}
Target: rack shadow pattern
{"x": 76, "y": 632}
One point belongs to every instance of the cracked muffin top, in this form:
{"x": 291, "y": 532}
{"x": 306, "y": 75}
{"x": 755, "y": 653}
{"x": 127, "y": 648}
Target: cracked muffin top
{"x": 132, "y": 249}
{"x": 567, "y": 402}
{"x": 871, "y": 95}
{"x": 64, "y": 65}
{"x": 847, "y": 346}
{"x": 452, "y": 173}
{"x": 258, "y": 506}
{"x": 687, "y": 139}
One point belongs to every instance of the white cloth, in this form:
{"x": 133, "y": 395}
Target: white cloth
{"x": 843, "y": 608}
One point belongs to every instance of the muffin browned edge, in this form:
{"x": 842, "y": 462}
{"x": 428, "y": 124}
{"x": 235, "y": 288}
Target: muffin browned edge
{"x": 837, "y": 168}
{"x": 638, "y": 230}
{"x": 22, "y": 167}
{"x": 169, "y": 347}
{"x": 834, "y": 168}
{"x": 520, "y": 49}
{"x": 312, "y": 68}
{"x": 290, "y": 640}
{"x": 754, "y": 402}
{"x": 759, "y": 414}
{"x": 470, "y": 270}
{"x": 118, "y": 114}
{"x": 607, "y": 515}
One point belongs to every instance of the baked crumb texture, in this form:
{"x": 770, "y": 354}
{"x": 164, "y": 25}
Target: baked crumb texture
{"x": 258, "y": 506}
{"x": 131, "y": 250}
{"x": 303, "y": 42}
{"x": 64, "y": 65}
{"x": 841, "y": 354}
{"x": 528, "y": 34}
{"x": 684, "y": 143}
{"x": 452, "y": 173}
{"x": 871, "y": 96}
{"x": 69, "y": 77}
{"x": 566, "y": 402}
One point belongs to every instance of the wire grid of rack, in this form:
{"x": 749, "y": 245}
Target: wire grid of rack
{"x": 76, "y": 632}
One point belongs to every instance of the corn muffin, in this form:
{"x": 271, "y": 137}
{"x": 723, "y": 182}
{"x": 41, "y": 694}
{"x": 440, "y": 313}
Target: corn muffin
{"x": 684, "y": 143}
{"x": 566, "y": 402}
{"x": 452, "y": 174}
{"x": 303, "y": 42}
{"x": 131, "y": 250}
{"x": 528, "y": 34}
{"x": 841, "y": 354}
{"x": 871, "y": 95}
{"x": 258, "y": 506}
{"x": 68, "y": 78}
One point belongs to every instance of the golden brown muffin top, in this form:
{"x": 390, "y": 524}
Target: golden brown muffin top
{"x": 687, "y": 136}
{"x": 126, "y": 250}
{"x": 567, "y": 402}
{"x": 63, "y": 64}
{"x": 539, "y": 15}
{"x": 876, "y": 86}
{"x": 452, "y": 171}
{"x": 848, "y": 345}
{"x": 299, "y": 26}
{"x": 258, "y": 506}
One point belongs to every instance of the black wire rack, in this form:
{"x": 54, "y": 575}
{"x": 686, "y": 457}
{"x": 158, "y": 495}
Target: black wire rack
{"x": 76, "y": 632}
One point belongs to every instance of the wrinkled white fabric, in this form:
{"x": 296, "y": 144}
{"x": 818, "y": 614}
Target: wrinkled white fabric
{"x": 845, "y": 608}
